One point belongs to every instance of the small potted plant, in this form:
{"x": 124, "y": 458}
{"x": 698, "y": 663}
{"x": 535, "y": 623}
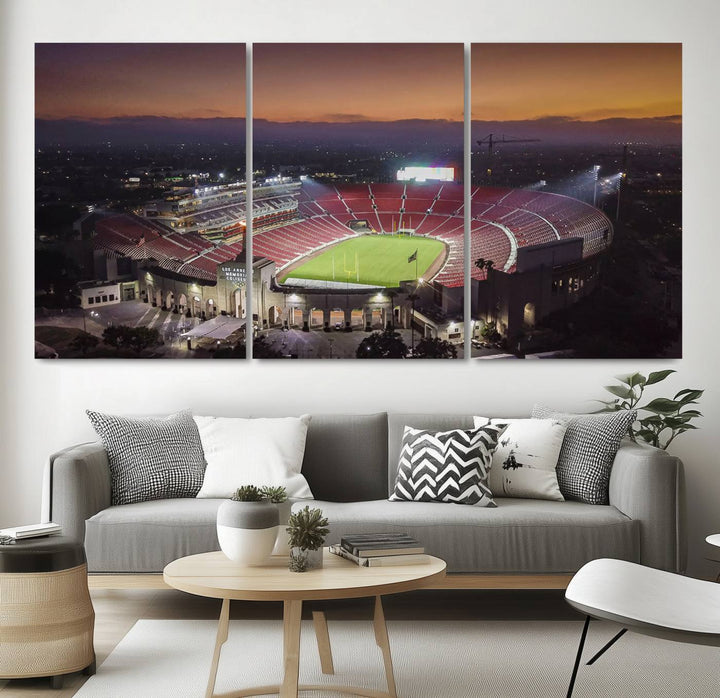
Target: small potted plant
{"x": 247, "y": 526}
{"x": 307, "y": 529}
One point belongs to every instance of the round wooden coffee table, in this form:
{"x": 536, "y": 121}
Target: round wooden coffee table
{"x": 213, "y": 575}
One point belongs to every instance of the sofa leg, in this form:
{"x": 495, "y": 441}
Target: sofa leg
{"x": 578, "y": 657}
{"x": 90, "y": 669}
{"x": 56, "y": 682}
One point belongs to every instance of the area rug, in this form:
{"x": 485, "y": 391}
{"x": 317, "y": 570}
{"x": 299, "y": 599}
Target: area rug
{"x": 436, "y": 659}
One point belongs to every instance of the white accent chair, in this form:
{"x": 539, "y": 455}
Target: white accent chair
{"x": 644, "y": 600}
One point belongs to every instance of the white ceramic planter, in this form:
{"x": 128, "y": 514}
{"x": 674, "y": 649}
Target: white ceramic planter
{"x": 247, "y": 531}
{"x": 282, "y": 541}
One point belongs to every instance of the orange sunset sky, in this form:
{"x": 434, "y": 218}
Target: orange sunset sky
{"x": 358, "y": 82}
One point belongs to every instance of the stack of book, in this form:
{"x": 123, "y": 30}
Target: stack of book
{"x": 380, "y": 549}
{"x": 31, "y": 531}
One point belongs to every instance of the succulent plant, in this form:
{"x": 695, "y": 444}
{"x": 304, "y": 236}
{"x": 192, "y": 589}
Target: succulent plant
{"x": 298, "y": 561}
{"x": 307, "y": 529}
{"x": 276, "y": 495}
{"x": 248, "y": 493}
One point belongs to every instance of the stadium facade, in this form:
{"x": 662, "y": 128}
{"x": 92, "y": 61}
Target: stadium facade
{"x": 538, "y": 253}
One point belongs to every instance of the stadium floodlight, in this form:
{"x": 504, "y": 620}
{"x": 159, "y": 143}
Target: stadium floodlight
{"x": 596, "y": 171}
{"x": 422, "y": 174}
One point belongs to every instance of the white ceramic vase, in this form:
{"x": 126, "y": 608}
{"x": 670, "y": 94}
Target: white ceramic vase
{"x": 247, "y": 531}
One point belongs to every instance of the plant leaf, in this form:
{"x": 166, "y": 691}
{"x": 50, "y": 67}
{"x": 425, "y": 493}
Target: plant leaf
{"x": 646, "y": 435}
{"x": 687, "y": 396}
{"x": 662, "y": 405}
{"x": 657, "y": 376}
{"x": 637, "y": 379}
{"x": 620, "y": 391}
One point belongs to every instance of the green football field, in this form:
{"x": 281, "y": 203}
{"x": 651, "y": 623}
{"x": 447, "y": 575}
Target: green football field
{"x": 380, "y": 260}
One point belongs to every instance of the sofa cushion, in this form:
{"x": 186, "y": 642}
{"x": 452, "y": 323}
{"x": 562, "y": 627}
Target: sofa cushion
{"x": 396, "y": 424}
{"x": 346, "y": 457}
{"x": 146, "y": 536}
{"x": 446, "y": 466}
{"x": 588, "y": 451}
{"x": 519, "y": 536}
{"x": 525, "y": 460}
{"x": 151, "y": 457}
{"x": 261, "y": 452}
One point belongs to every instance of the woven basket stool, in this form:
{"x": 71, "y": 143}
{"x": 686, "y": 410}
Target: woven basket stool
{"x": 46, "y": 616}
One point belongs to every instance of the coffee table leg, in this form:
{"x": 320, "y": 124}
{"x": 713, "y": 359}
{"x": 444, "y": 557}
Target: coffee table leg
{"x": 222, "y": 634}
{"x": 323, "y": 642}
{"x": 383, "y": 642}
{"x": 292, "y": 615}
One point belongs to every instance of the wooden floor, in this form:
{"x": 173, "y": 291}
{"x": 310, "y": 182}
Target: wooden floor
{"x": 117, "y": 610}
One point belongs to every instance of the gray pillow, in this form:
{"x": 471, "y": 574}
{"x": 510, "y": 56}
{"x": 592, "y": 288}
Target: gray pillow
{"x": 151, "y": 458}
{"x": 588, "y": 451}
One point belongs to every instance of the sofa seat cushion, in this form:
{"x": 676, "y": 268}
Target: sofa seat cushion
{"x": 519, "y": 536}
{"x": 146, "y": 536}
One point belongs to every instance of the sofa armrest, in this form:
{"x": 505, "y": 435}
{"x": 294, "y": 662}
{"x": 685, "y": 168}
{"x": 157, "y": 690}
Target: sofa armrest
{"x": 647, "y": 485}
{"x": 77, "y": 486}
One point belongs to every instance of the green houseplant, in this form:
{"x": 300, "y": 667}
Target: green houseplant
{"x": 661, "y": 420}
{"x": 307, "y": 529}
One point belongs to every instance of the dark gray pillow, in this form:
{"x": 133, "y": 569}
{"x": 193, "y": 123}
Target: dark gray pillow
{"x": 588, "y": 451}
{"x": 151, "y": 458}
{"x": 446, "y": 466}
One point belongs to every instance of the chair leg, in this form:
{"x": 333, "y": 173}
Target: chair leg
{"x": 578, "y": 657}
{"x": 607, "y": 646}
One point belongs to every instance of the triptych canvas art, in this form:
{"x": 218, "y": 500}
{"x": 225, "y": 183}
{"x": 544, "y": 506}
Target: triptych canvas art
{"x": 366, "y": 240}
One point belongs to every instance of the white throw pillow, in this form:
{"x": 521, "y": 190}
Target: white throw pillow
{"x": 525, "y": 460}
{"x": 253, "y": 452}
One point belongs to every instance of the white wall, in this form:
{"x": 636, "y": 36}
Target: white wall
{"x": 43, "y": 401}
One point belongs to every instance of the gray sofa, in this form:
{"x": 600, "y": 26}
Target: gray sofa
{"x": 350, "y": 463}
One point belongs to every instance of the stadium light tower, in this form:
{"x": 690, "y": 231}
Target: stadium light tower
{"x": 596, "y": 172}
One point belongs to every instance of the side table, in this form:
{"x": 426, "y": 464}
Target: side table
{"x": 46, "y": 616}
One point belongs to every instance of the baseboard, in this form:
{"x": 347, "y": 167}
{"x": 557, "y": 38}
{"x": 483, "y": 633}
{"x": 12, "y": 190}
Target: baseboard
{"x": 451, "y": 581}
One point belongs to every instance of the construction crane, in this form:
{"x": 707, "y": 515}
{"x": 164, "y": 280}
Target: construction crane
{"x": 491, "y": 140}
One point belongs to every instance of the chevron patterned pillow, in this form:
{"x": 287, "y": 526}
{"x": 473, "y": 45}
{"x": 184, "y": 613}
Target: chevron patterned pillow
{"x": 446, "y": 466}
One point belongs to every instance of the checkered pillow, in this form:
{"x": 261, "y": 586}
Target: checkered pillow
{"x": 151, "y": 458}
{"x": 588, "y": 451}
